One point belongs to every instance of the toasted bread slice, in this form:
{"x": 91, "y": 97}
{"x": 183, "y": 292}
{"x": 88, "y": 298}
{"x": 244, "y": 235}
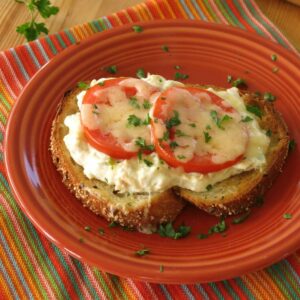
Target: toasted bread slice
{"x": 238, "y": 193}
{"x": 141, "y": 210}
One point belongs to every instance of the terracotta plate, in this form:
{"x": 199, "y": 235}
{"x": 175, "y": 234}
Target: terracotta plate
{"x": 207, "y": 53}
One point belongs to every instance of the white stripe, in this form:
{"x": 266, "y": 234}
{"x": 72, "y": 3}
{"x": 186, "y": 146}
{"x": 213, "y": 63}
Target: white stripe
{"x": 45, "y": 55}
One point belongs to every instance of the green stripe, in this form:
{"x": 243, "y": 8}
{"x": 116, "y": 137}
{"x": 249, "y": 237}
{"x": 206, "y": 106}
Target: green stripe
{"x": 31, "y": 236}
{"x": 102, "y": 23}
{"x": 232, "y": 15}
{"x": 116, "y": 281}
{"x": 216, "y": 290}
{"x": 97, "y": 25}
{"x": 93, "y": 27}
{"x": 230, "y": 290}
{"x": 70, "y": 36}
{"x": 103, "y": 284}
{"x": 2, "y": 119}
{"x": 92, "y": 291}
{"x": 28, "y": 265}
{"x": 242, "y": 285}
{"x": 211, "y": 11}
{"x": 5, "y": 102}
{"x": 292, "y": 275}
{"x": 224, "y": 13}
{"x": 266, "y": 25}
{"x": 5, "y": 182}
{"x": 1, "y": 139}
{"x": 60, "y": 40}
{"x": 68, "y": 271}
{"x": 49, "y": 42}
{"x": 246, "y": 18}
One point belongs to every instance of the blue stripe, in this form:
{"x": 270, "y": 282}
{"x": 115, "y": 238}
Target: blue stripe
{"x": 199, "y": 11}
{"x": 70, "y": 36}
{"x": 187, "y": 291}
{"x": 202, "y": 291}
{"x": 187, "y": 10}
{"x": 32, "y": 55}
{"x": 165, "y": 291}
{"x": 8, "y": 280}
{"x": 60, "y": 40}
{"x": 106, "y": 21}
{"x": 45, "y": 55}
{"x": 53, "y": 49}
{"x": 24, "y": 72}
{"x": 288, "y": 265}
{"x": 15, "y": 265}
{"x": 230, "y": 290}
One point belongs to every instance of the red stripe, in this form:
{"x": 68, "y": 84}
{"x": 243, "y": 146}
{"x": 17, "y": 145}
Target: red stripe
{"x": 123, "y": 17}
{"x": 294, "y": 261}
{"x": 175, "y": 9}
{"x": 37, "y": 53}
{"x": 237, "y": 289}
{"x": 152, "y": 9}
{"x": 210, "y": 292}
{"x": 47, "y": 48}
{"x": 113, "y": 21}
{"x": 157, "y": 290}
{"x": 56, "y": 43}
{"x": 176, "y": 291}
{"x": 65, "y": 38}
{"x": 164, "y": 9}
{"x": 27, "y": 61}
{"x": 133, "y": 15}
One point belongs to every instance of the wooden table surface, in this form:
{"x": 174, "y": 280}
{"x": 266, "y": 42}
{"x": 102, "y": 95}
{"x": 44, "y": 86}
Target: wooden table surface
{"x": 72, "y": 12}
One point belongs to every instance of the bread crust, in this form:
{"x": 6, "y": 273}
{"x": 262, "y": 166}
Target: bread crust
{"x": 141, "y": 211}
{"x": 240, "y": 192}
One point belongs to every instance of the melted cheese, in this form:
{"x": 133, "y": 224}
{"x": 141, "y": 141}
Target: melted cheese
{"x": 135, "y": 176}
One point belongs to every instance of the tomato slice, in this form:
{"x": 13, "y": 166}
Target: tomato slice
{"x": 162, "y": 112}
{"x": 106, "y": 142}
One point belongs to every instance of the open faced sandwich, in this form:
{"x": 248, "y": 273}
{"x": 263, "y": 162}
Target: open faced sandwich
{"x": 135, "y": 150}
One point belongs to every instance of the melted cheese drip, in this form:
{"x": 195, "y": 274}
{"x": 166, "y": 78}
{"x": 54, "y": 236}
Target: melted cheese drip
{"x": 135, "y": 176}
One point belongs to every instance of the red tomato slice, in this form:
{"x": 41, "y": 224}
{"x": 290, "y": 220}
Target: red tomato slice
{"x": 106, "y": 143}
{"x": 201, "y": 164}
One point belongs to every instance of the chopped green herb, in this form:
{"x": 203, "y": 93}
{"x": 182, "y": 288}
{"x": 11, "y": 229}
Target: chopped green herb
{"x": 148, "y": 163}
{"x": 269, "y": 97}
{"x": 275, "y": 69}
{"x": 166, "y": 136}
{"x": 229, "y": 78}
{"x": 161, "y": 268}
{"x": 127, "y": 228}
{"x": 140, "y": 73}
{"x": 274, "y": 57}
{"x": 181, "y": 157}
{"x": 247, "y": 119}
{"x": 165, "y": 48}
{"x": 208, "y": 127}
{"x": 81, "y": 240}
{"x": 140, "y": 155}
{"x": 239, "y": 82}
{"x": 83, "y": 85}
{"x": 142, "y": 252}
{"x": 173, "y": 145}
{"x": 147, "y": 120}
{"x": 168, "y": 230}
{"x": 259, "y": 201}
{"x": 87, "y": 228}
{"x": 269, "y": 133}
{"x": 177, "y": 67}
{"x": 134, "y": 120}
{"x": 257, "y": 94}
{"x": 209, "y": 187}
{"x": 143, "y": 145}
{"x": 134, "y": 102}
{"x": 254, "y": 109}
{"x": 192, "y": 125}
{"x": 101, "y": 231}
{"x": 112, "y": 224}
{"x": 287, "y": 216}
{"x": 101, "y": 83}
{"x": 218, "y": 228}
{"x": 111, "y": 69}
{"x": 292, "y": 145}
{"x": 219, "y": 121}
{"x": 137, "y": 28}
{"x": 202, "y": 236}
{"x": 161, "y": 162}
{"x": 111, "y": 162}
{"x": 179, "y": 133}
{"x": 174, "y": 121}
{"x": 207, "y": 137}
{"x": 242, "y": 218}
{"x": 180, "y": 76}
{"x": 147, "y": 104}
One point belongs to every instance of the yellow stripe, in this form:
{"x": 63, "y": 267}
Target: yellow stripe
{"x": 7, "y": 96}
{"x": 118, "y": 19}
{"x": 75, "y": 33}
{"x": 109, "y": 283}
{"x": 146, "y": 9}
{"x": 128, "y": 290}
{"x": 4, "y": 288}
{"x": 88, "y": 28}
{"x": 193, "y": 10}
{"x": 204, "y": 10}
{"x": 141, "y": 12}
{"x": 16, "y": 254}
{"x": 170, "y": 9}
{"x": 182, "y": 10}
{"x": 127, "y": 16}
{"x": 158, "y": 9}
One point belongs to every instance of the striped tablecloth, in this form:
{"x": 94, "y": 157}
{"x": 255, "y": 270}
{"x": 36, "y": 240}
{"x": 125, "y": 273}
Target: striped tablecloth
{"x": 33, "y": 268}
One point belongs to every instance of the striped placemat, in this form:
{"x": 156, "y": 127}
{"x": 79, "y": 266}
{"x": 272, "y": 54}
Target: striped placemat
{"x": 33, "y": 268}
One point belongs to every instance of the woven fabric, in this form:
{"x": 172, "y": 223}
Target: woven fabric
{"x": 31, "y": 267}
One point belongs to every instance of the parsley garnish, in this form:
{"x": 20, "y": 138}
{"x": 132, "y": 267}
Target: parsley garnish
{"x": 209, "y": 187}
{"x": 101, "y": 231}
{"x": 147, "y": 120}
{"x": 192, "y": 125}
{"x": 142, "y": 252}
{"x": 83, "y": 85}
{"x": 134, "y": 120}
{"x": 111, "y": 69}
{"x": 247, "y": 119}
{"x": 239, "y": 82}
{"x": 143, "y": 145}
{"x": 167, "y": 230}
{"x": 287, "y": 216}
{"x": 202, "y": 236}
{"x": 147, "y": 104}
{"x": 219, "y": 121}
{"x": 174, "y": 121}
{"x": 137, "y": 28}
{"x": 173, "y": 145}
{"x": 165, "y": 48}
{"x": 292, "y": 145}
{"x": 134, "y": 102}
{"x": 166, "y": 136}
{"x": 242, "y": 218}
{"x": 31, "y": 30}
{"x": 112, "y": 224}
{"x": 274, "y": 57}
{"x": 269, "y": 97}
{"x": 179, "y": 76}
{"x": 140, "y": 73}
{"x": 101, "y": 83}
{"x": 148, "y": 163}
{"x": 254, "y": 109}
{"x": 269, "y": 133}
{"x": 207, "y": 137}
{"x": 218, "y": 228}
{"x": 179, "y": 133}
{"x": 181, "y": 157}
